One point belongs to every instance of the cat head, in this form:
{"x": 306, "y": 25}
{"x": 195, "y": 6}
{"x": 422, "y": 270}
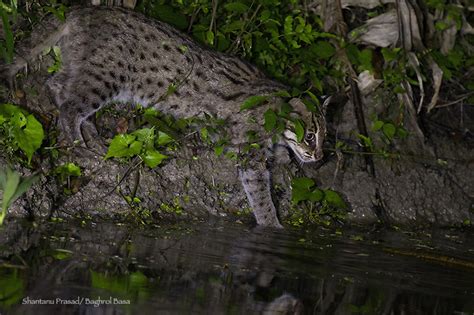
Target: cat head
{"x": 310, "y": 147}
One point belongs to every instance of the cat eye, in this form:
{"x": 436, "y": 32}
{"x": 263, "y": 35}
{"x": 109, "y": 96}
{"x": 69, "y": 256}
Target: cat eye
{"x": 309, "y": 136}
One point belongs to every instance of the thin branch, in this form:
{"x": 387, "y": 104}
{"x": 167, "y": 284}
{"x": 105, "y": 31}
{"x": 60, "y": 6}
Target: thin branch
{"x": 454, "y": 102}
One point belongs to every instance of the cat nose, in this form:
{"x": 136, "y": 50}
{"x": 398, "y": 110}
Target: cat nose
{"x": 318, "y": 155}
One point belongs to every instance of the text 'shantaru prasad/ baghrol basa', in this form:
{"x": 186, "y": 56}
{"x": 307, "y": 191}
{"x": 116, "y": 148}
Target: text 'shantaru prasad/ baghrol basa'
{"x": 96, "y": 302}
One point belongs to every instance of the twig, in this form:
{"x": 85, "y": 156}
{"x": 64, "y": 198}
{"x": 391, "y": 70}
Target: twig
{"x": 237, "y": 39}
{"x": 213, "y": 16}
{"x": 193, "y": 17}
{"x": 129, "y": 170}
{"x": 359, "y": 113}
{"x": 454, "y": 102}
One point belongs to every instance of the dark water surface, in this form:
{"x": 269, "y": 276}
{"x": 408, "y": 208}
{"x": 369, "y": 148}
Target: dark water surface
{"x": 221, "y": 268}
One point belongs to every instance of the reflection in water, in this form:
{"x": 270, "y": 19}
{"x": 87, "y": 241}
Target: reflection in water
{"x": 226, "y": 269}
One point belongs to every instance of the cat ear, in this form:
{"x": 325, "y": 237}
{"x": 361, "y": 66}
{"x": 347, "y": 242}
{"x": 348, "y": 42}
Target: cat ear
{"x": 302, "y": 109}
{"x": 298, "y": 106}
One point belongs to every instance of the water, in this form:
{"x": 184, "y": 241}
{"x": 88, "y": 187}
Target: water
{"x": 221, "y": 268}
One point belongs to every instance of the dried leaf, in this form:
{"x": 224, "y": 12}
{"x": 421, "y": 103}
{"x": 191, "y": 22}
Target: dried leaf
{"x": 381, "y": 31}
{"x": 437, "y": 75}
{"x": 367, "y": 82}
{"x": 410, "y": 30}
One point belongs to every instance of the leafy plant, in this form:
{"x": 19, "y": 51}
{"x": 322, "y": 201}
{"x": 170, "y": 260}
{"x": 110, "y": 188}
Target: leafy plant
{"x": 20, "y": 130}
{"x": 276, "y": 119}
{"x": 389, "y": 130}
{"x": 7, "y": 45}
{"x": 174, "y": 208}
{"x": 139, "y": 143}
{"x": 13, "y": 186}
{"x": 67, "y": 170}
{"x": 57, "y": 9}
{"x": 55, "y": 52}
{"x": 12, "y": 287}
{"x": 283, "y": 39}
{"x": 317, "y": 202}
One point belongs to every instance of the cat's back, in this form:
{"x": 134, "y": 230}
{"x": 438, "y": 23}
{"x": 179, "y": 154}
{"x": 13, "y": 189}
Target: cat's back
{"x": 101, "y": 22}
{"x": 93, "y": 30}
{"x": 113, "y": 54}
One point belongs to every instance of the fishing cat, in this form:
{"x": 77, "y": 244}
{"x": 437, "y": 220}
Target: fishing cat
{"x": 112, "y": 54}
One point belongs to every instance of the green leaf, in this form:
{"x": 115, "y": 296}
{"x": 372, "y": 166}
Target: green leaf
{"x": 59, "y": 13}
{"x": 18, "y": 120}
{"x": 334, "y": 199}
{"x": 152, "y": 158}
{"x": 377, "y": 125}
{"x": 265, "y": 15}
{"x": 299, "y": 130}
{"x": 56, "y": 52}
{"x": 11, "y": 180}
{"x": 151, "y": 112}
{"x": 282, "y": 93}
{"x": 353, "y": 53}
{"x": 316, "y": 195}
{"x": 295, "y": 44}
{"x": 402, "y": 133}
{"x": 68, "y": 169}
{"x": 365, "y": 59}
{"x": 299, "y": 195}
{"x": 13, "y": 186}
{"x": 323, "y": 50}
{"x": 456, "y": 58}
{"x": 253, "y": 101}
{"x": 313, "y": 98}
{"x": 164, "y": 138}
{"x": 28, "y": 133}
{"x": 302, "y": 183}
{"x": 389, "y": 130}
{"x": 288, "y": 26}
{"x": 390, "y": 54}
{"x": 146, "y": 136}
{"x": 270, "y": 120}
{"x": 310, "y": 106}
{"x": 233, "y": 26}
{"x": 285, "y": 110}
{"x": 124, "y": 146}
{"x": 366, "y": 141}
{"x": 9, "y": 110}
{"x": 237, "y": 7}
{"x": 204, "y": 134}
{"x": 210, "y": 37}
{"x": 219, "y": 150}
{"x": 281, "y": 126}
{"x": 441, "y": 25}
